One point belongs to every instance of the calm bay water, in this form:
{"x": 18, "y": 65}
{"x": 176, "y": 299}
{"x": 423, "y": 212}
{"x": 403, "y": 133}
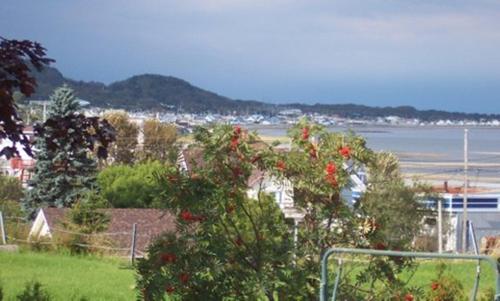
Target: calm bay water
{"x": 428, "y": 144}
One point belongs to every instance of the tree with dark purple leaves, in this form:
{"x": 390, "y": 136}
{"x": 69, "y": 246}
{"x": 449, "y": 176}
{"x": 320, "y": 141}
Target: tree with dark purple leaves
{"x": 15, "y": 60}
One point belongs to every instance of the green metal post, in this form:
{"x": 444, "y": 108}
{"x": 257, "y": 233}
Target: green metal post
{"x": 337, "y": 280}
{"x": 324, "y": 277}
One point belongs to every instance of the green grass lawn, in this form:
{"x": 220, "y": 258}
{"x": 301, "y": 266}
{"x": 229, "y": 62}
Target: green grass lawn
{"x": 67, "y": 277}
{"x": 464, "y": 271}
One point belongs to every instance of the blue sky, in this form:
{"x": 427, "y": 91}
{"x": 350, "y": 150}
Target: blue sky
{"x": 440, "y": 54}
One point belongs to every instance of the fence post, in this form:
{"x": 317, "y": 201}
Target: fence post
{"x": 132, "y": 245}
{"x": 2, "y": 228}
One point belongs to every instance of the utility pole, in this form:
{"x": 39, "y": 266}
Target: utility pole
{"x": 440, "y": 225}
{"x": 466, "y": 184}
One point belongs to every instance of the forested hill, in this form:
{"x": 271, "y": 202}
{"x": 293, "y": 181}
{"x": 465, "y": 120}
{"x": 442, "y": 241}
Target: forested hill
{"x": 158, "y": 92}
{"x": 144, "y": 92}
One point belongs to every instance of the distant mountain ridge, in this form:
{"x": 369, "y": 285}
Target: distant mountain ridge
{"x": 159, "y": 92}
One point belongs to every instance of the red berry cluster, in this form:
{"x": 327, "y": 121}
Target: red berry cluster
{"x": 235, "y": 140}
{"x": 305, "y": 133}
{"x": 409, "y": 297}
{"x": 280, "y": 165}
{"x": 169, "y": 289}
{"x": 168, "y": 257}
{"x": 434, "y": 286}
{"x": 330, "y": 170}
{"x": 345, "y": 152}
{"x": 184, "y": 277}
{"x": 187, "y": 216}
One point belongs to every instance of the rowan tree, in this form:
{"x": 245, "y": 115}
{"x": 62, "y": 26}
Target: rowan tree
{"x": 229, "y": 246}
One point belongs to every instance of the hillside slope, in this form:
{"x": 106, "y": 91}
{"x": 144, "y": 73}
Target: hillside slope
{"x": 159, "y": 92}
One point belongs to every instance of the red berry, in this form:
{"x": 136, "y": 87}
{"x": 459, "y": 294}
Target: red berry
{"x": 237, "y": 130}
{"x": 186, "y": 216}
{"x": 434, "y": 286}
{"x": 168, "y": 257}
{"x": 330, "y": 168}
{"x": 169, "y": 289}
{"x": 380, "y": 246}
{"x": 305, "y": 133}
{"x": 409, "y": 297}
{"x": 234, "y": 143}
{"x": 184, "y": 278}
{"x": 238, "y": 241}
{"x": 280, "y": 165}
{"x": 345, "y": 152}
{"x": 332, "y": 180}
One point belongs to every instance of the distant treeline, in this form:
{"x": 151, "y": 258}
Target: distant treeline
{"x": 157, "y": 92}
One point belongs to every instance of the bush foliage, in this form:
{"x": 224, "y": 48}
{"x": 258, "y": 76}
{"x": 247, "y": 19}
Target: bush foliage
{"x": 126, "y": 186}
{"x": 233, "y": 247}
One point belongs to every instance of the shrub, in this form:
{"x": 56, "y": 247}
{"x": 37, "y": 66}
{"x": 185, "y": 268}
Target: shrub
{"x": 83, "y": 222}
{"x": 16, "y": 226}
{"x": 10, "y": 189}
{"x": 125, "y": 186}
{"x": 33, "y": 291}
{"x": 445, "y": 287}
{"x": 488, "y": 295}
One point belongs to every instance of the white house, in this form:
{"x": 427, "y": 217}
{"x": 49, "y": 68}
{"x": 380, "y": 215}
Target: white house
{"x": 281, "y": 189}
{"x": 19, "y": 166}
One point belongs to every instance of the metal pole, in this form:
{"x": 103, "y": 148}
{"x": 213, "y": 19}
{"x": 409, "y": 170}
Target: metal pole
{"x": 132, "y": 246}
{"x": 323, "y": 290}
{"x": 466, "y": 184}
{"x": 337, "y": 280}
{"x": 2, "y": 228}
{"x": 295, "y": 239}
{"x": 440, "y": 225}
{"x": 478, "y": 266}
{"x": 44, "y": 111}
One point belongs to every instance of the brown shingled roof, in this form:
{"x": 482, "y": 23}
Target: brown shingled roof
{"x": 150, "y": 224}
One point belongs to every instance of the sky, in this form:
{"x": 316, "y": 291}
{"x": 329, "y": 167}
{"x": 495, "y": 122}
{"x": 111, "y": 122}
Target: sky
{"x": 440, "y": 54}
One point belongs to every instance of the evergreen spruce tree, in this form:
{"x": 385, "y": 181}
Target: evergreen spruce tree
{"x": 63, "y": 170}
